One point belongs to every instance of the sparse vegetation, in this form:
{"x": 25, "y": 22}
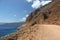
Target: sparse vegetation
{"x": 48, "y": 27}
{"x": 45, "y": 16}
{"x": 33, "y": 23}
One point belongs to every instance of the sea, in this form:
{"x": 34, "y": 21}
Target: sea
{"x": 8, "y": 28}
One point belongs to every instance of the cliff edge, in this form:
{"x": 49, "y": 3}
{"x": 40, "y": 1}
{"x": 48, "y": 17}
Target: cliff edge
{"x": 42, "y": 24}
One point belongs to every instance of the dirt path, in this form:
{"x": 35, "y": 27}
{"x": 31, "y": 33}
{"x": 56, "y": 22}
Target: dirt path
{"x": 50, "y": 32}
{"x": 42, "y": 32}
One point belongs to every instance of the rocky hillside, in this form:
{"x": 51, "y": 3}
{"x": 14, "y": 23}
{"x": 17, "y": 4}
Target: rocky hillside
{"x": 46, "y": 14}
{"x": 42, "y": 24}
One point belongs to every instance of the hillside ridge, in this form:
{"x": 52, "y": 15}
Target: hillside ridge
{"x": 38, "y": 23}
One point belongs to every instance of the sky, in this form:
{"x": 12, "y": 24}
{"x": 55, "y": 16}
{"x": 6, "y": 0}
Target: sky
{"x": 18, "y": 10}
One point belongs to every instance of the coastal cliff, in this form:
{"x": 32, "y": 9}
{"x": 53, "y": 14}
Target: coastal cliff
{"x": 42, "y": 24}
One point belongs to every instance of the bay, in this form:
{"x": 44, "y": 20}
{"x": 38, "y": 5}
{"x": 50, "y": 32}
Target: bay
{"x": 8, "y": 28}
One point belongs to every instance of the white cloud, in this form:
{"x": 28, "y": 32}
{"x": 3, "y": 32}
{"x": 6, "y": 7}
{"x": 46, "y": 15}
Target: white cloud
{"x": 36, "y": 4}
{"x": 24, "y": 18}
{"x": 45, "y": 2}
{"x": 27, "y": 15}
{"x": 29, "y": 1}
{"x": 15, "y": 15}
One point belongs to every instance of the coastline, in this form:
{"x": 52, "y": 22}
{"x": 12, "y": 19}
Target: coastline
{"x": 9, "y": 35}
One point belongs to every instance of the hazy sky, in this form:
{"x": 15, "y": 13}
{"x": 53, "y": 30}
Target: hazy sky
{"x": 18, "y": 10}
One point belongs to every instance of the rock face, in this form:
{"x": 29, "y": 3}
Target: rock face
{"x": 42, "y": 24}
{"x": 47, "y": 13}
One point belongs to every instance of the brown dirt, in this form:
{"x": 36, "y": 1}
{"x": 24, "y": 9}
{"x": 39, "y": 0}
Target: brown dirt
{"x": 42, "y": 24}
{"x": 43, "y": 32}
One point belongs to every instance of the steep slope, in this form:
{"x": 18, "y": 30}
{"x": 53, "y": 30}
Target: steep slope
{"x": 46, "y": 14}
{"x": 42, "y": 24}
{"x": 41, "y": 32}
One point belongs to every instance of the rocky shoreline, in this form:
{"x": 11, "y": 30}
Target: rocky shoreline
{"x": 8, "y": 36}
